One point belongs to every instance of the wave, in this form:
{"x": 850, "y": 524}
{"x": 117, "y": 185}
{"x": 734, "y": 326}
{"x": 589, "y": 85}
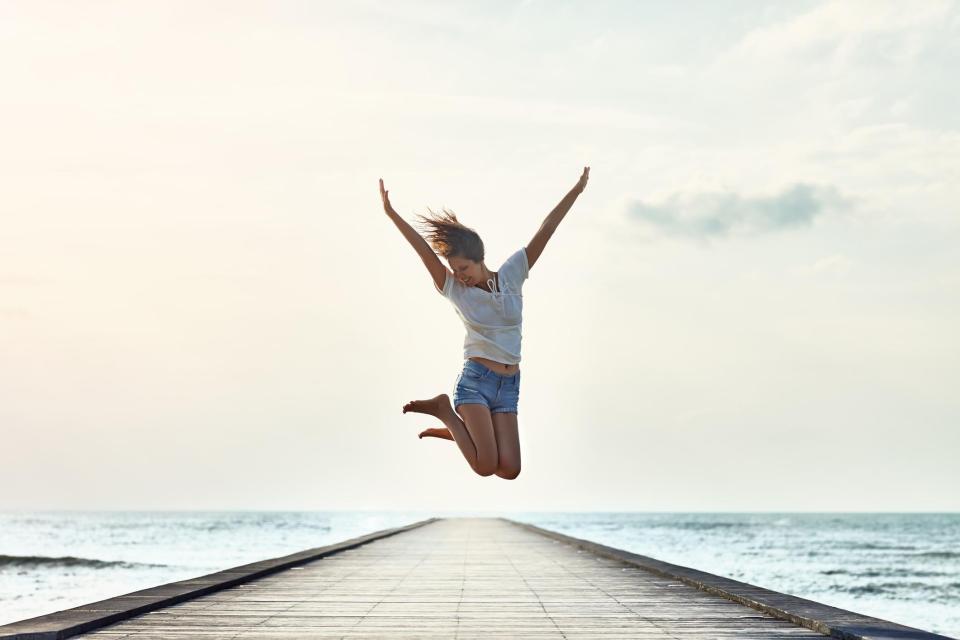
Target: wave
{"x": 855, "y": 545}
{"x": 706, "y": 526}
{"x": 38, "y": 562}
{"x": 903, "y": 590}
{"x": 940, "y": 555}
{"x": 885, "y": 573}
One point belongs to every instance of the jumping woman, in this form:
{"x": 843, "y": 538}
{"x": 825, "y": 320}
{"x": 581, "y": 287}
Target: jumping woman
{"x": 482, "y": 419}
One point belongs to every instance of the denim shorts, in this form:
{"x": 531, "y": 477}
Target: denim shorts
{"x": 478, "y": 385}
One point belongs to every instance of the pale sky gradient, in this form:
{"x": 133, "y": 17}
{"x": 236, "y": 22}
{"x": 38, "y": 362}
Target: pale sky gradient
{"x": 753, "y": 306}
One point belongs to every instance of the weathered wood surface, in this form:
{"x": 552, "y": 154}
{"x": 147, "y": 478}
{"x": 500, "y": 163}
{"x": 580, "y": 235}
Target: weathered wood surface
{"x": 461, "y": 578}
{"x": 70, "y": 622}
{"x": 458, "y": 578}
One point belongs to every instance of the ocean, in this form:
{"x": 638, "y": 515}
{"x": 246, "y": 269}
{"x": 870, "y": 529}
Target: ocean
{"x": 900, "y": 567}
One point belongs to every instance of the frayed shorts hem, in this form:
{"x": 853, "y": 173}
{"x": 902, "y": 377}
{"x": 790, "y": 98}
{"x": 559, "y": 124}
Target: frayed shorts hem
{"x": 478, "y": 385}
{"x": 492, "y": 411}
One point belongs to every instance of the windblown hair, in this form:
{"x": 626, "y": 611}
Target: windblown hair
{"x": 450, "y": 238}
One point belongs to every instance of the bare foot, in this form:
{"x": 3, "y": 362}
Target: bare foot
{"x": 437, "y": 433}
{"x": 436, "y": 406}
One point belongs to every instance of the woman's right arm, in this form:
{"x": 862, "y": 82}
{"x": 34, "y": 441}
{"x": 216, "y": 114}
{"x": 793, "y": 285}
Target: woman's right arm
{"x": 437, "y": 271}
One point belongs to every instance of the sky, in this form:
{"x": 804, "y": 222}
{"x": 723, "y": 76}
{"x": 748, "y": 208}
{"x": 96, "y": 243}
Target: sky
{"x": 752, "y": 307}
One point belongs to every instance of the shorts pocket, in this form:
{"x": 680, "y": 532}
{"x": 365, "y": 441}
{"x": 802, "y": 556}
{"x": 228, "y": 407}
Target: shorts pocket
{"x": 472, "y": 374}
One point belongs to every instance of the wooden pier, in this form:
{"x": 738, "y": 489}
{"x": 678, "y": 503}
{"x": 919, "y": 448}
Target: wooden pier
{"x": 458, "y": 578}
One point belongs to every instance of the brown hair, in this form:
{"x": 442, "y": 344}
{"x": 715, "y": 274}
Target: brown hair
{"x": 450, "y": 238}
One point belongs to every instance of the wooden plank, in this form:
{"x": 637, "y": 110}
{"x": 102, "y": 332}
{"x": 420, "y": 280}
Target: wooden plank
{"x": 459, "y": 578}
{"x": 832, "y": 621}
{"x": 466, "y": 578}
{"x": 70, "y": 622}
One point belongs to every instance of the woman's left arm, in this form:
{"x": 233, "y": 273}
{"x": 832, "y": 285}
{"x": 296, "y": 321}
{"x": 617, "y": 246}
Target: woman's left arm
{"x": 535, "y": 246}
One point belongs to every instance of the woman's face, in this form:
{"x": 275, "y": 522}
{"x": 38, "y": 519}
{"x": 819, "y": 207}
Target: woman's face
{"x": 466, "y": 271}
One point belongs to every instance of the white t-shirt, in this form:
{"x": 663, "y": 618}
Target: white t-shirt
{"x": 492, "y": 318}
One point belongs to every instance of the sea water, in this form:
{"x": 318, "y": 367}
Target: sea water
{"x": 900, "y": 567}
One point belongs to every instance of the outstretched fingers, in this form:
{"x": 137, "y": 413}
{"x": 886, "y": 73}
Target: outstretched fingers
{"x": 385, "y": 196}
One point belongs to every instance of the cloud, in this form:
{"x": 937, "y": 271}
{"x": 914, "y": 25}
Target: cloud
{"x": 713, "y": 214}
{"x": 840, "y": 28}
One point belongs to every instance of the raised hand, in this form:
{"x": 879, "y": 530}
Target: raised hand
{"x": 387, "y": 207}
{"x": 582, "y": 182}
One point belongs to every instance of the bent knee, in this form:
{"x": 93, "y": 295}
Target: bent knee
{"x": 509, "y": 473}
{"x": 485, "y": 471}
{"x": 485, "y": 467}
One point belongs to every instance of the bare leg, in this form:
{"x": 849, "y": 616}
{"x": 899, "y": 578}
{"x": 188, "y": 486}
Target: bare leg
{"x": 440, "y": 407}
{"x": 508, "y": 445}
{"x": 442, "y": 432}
